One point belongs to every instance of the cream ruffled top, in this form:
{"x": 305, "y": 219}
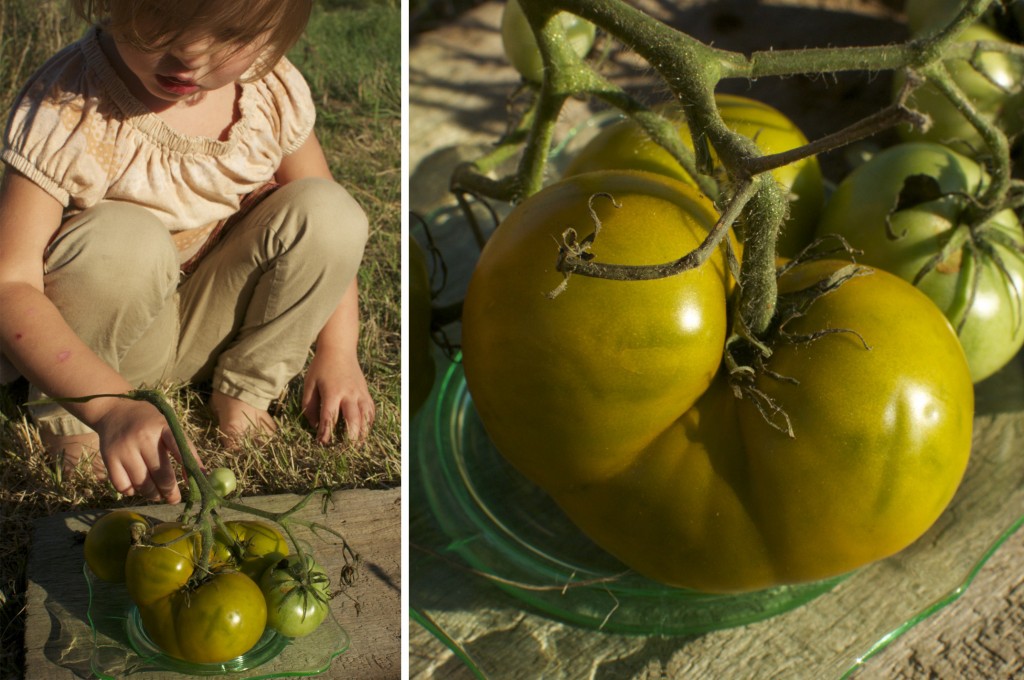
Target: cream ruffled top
{"x": 77, "y": 132}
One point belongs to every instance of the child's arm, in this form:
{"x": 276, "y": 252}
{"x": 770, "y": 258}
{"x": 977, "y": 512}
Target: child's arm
{"x": 334, "y": 384}
{"x": 134, "y": 438}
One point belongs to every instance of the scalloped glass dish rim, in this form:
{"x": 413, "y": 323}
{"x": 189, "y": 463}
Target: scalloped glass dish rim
{"x": 270, "y": 646}
{"x": 451, "y": 379}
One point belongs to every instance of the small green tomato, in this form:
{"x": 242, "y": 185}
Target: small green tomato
{"x": 521, "y": 46}
{"x": 223, "y": 481}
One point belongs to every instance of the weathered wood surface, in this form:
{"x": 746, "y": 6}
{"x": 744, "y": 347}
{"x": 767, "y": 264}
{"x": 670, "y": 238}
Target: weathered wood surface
{"x": 459, "y": 83}
{"x": 58, "y": 642}
{"x": 978, "y": 635}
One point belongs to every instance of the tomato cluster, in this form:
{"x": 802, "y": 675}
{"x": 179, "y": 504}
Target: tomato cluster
{"x": 707, "y": 457}
{"x": 712, "y": 453}
{"x": 253, "y": 583}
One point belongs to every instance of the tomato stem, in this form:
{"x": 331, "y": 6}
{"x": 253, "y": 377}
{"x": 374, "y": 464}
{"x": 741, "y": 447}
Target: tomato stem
{"x": 692, "y": 71}
{"x": 894, "y": 114}
{"x": 286, "y": 520}
{"x": 746, "y": 354}
{"x": 996, "y": 194}
{"x": 210, "y": 500}
{"x": 572, "y": 258}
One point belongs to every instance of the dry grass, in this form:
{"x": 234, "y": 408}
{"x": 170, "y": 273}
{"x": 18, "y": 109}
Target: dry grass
{"x": 358, "y": 126}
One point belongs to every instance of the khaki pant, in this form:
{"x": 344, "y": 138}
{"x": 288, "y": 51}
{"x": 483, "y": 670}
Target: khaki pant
{"x": 245, "y": 318}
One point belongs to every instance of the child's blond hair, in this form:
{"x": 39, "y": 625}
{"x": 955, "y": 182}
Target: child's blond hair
{"x": 157, "y": 24}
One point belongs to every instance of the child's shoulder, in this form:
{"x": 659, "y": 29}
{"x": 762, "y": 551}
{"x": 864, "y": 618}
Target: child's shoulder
{"x": 59, "y": 127}
{"x": 285, "y": 100}
{"x": 285, "y": 82}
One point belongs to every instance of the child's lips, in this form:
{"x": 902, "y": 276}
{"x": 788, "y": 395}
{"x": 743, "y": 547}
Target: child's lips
{"x": 176, "y": 85}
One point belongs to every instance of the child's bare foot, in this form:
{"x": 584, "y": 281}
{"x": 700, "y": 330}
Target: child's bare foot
{"x": 237, "y": 420}
{"x": 74, "y": 450}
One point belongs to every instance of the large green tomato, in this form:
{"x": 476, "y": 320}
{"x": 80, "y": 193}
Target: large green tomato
{"x": 610, "y": 399}
{"x": 994, "y": 90}
{"x": 596, "y": 347}
{"x": 219, "y": 620}
{"x": 249, "y": 546}
{"x": 155, "y": 571}
{"x": 625, "y": 145}
{"x": 421, "y": 363}
{"x": 521, "y": 45}
{"x": 982, "y": 297}
{"x": 720, "y": 501}
{"x": 108, "y": 541}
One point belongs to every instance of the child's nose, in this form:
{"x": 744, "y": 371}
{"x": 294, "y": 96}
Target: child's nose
{"x": 194, "y": 56}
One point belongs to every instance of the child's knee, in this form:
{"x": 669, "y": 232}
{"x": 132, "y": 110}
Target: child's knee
{"x": 334, "y": 222}
{"x": 114, "y": 247}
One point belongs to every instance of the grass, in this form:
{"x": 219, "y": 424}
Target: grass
{"x": 351, "y": 57}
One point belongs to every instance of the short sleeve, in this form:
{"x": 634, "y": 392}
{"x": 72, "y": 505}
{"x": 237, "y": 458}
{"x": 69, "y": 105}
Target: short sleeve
{"x": 293, "y": 104}
{"x": 56, "y": 136}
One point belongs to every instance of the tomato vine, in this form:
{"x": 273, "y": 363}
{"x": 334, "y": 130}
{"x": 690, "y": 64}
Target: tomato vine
{"x": 205, "y": 519}
{"x": 692, "y": 70}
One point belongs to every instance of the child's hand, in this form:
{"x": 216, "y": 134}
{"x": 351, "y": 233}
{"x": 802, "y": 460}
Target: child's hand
{"x": 137, "y": 446}
{"x": 335, "y": 385}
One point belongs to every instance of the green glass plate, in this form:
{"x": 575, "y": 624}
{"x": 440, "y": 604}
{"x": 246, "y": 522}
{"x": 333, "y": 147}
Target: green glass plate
{"x": 503, "y": 524}
{"x": 511, "y": 534}
{"x": 121, "y": 647}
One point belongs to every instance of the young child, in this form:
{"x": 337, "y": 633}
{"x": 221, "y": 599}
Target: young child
{"x": 167, "y": 214}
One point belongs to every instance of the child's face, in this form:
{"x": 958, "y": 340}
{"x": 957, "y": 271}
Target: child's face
{"x": 183, "y": 71}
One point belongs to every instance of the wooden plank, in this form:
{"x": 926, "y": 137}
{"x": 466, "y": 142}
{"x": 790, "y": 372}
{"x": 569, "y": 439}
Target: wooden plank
{"x": 58, "y": 640}
{"x": 980, "y": 634}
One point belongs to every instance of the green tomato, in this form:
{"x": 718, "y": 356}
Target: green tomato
{"x": 521, "y": 45}
{"x": 249, "y": 546}
{"x": 108, "y": 541}
{"x": 610, "y": 398}
{"x": 980, "y": 286}
{"x": 223, "y": 481}
{"x": 162, "y": 567}
{"x": 533, "y": 364}
{"x": 297, "y": 592}
{"x": 994, "y": 90}
{"x": 719, "y": 501}
{"x": 625, "y": 146}
{"x": 218, "y": 621}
